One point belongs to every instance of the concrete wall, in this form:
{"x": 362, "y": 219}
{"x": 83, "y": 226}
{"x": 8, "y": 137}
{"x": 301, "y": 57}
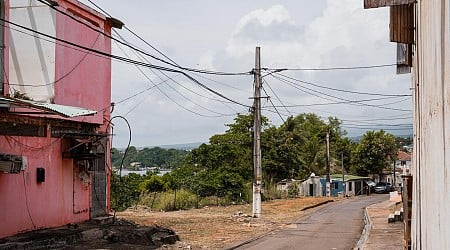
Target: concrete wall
{"x": 305, "y": 187}
{"x": 26, "y": 204}
{"x": 78, "y": 79}
{"x": 84, "y": 79}
{"x": 431, "y": 157}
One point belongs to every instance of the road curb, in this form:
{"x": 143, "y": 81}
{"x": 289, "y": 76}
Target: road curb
{"x": 316, "y": 205}
{"x": 366, "y": 230}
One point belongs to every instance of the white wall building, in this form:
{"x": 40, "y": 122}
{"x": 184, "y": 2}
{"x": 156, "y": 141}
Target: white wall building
{"x": 422, "y": 30}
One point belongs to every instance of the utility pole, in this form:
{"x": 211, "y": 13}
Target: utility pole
{"x": 257, "y": 179}
{"x": 328, "y": 165}
{"x": 343, "y": 174}
{"x": 395, "y": 188}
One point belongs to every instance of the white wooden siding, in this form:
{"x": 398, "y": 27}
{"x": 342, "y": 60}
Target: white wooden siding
{"x": 431, "y": 168}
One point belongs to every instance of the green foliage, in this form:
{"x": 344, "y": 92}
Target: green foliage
{"x": 154, "y": 184}
{"x": 221, "y": 171}
{"x": 374, "y": 153}
{"x": 175, "y": 200}
{"x": 125, "y": 191}
{"x": 297, "y": 148}
{"x": 271, "y": 192}
{"x": 149, "y": 157}
{"x": 293, "y": 190}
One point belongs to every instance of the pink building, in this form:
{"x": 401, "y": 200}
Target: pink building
{"x": 54, "y": 114}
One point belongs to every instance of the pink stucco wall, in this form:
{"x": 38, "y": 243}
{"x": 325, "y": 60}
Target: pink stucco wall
{"x": 85, "y": 78}
{"x": 64, "y": 197}
{"x": 27, "y": 204}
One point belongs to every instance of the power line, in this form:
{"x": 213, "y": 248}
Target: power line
{"x": 61, "y": 77}
{"x": 379, "y": 124}
{"x": 378, "y": 119}
{"x": 127, "y": 60}
{"x": 299, "y": 87}
{"x": 181, "y": 85}
{"x": 373, "y": 128}
{"x": 221, "y": 83}
{"x": 81, "y": 50}
{"x": 143, "y": 40}
{"x": 331, "y": 68}
{"x": 340, "y": 90}
{"x": 335, "y": 103}
{"x": 136, "y": 35}
{"x": 278, "y": 98}
{"x": 145, "y": 53}
{"x": 270, "y": 100}
{"x": 145, "y": 75}
{"x": 142, "y": 91}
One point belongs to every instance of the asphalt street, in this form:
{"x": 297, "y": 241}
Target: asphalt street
{"x": 337, "y": 225}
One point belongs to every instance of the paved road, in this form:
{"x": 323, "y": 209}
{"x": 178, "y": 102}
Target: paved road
{"x": 337, "y": 225}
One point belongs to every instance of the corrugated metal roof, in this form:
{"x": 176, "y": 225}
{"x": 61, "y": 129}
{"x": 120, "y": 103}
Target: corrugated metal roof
{"x": 347, "y": 177}
{"x": 62, "y": 110}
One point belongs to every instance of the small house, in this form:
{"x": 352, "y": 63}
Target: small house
{"x": 311, "y": 186}
{"x": 347, "y": 185}
{"x": 284, "y": 185}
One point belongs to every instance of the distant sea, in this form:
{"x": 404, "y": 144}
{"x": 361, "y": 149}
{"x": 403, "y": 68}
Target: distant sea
{"x": 185, "y": 146}
{"x": 143, "y": 172}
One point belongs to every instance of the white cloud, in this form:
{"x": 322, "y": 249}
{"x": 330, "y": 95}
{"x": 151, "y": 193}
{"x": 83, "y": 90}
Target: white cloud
{"x": 344, "y": 34}
{"x": 298, "y": 33}
{"x": 272, "y": 28}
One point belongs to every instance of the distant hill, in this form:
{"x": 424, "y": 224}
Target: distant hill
{"x": 185, "y": 146}
{"x": 358, "y": 138}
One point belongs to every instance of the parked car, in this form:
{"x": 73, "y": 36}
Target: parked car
{"x": 371, "y": 185}
{"x": 383, "y": 187}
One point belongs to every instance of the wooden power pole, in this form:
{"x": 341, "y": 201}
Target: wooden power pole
{"x": 257, "y": 179}
{"x": 328, "y": 187}
{"x": 343, "y": 174}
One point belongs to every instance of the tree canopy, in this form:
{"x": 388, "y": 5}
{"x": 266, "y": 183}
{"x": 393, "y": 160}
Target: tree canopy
{"x": 374, "y": 153}
{"x": 295, "y": 149}
{"x": 149, "y": 157}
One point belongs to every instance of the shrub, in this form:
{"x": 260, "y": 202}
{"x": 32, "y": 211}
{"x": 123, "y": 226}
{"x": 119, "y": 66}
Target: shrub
{"x": 169, "y": 200}
{"x": 293, "y": 190}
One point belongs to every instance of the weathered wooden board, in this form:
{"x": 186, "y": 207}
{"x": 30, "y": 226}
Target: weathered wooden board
{"x": 368, "y": 4}
{"x": 402, "y": 24}
{"x": 404, "y": 58}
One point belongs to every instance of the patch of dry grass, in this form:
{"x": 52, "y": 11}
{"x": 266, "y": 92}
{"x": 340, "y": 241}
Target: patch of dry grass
{"x": 218, "y": 227}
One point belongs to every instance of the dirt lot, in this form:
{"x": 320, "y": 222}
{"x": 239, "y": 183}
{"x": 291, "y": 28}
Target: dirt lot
{"x": 219, "y": 227}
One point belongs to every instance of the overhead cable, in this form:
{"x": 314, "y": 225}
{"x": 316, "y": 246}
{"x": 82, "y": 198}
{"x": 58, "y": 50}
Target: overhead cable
{"x": 127, "y": 60}
{"x": 178, "y": 104}
{"x": 145, "y": 53}
{"x": 332, "y": 68}
{"x": 276, "y": 110}
{"x": 340, "y": 90}
{"x": 321, "y": 95}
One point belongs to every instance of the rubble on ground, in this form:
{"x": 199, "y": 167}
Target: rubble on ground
{"x": 118, "y": 234}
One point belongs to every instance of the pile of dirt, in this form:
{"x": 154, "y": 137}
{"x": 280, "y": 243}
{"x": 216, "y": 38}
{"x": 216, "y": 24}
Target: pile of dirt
{"x": 123, "y": 231}
{"x": 119, "y": 234}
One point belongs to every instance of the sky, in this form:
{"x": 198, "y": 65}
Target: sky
{"x": 222, "y": 36}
